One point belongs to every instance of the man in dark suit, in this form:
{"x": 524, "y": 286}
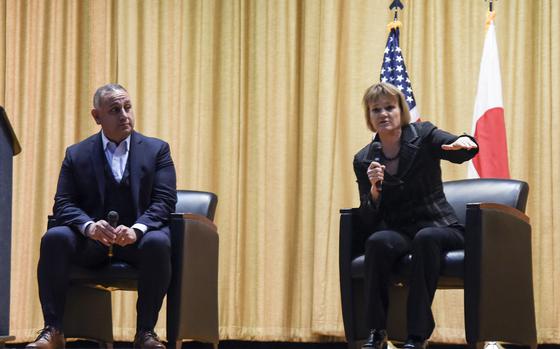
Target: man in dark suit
{"x": 119, "y": 170}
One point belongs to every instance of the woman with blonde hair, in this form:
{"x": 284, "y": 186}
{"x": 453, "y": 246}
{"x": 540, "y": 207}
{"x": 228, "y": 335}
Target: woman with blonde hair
{"x": 402, "y": 200}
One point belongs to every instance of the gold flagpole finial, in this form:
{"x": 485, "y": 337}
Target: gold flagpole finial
{"x": 491, "y": 15}
{"x": 395, "y": 23}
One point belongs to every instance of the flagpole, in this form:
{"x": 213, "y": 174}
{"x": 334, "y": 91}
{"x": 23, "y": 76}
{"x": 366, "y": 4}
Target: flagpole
{"x": 489, "y": 19}
{"x": 488, "y": 116}
{"x": 396, "y": 5}
{"x": 491, "y": 13}
{"x": 393, "y": 68}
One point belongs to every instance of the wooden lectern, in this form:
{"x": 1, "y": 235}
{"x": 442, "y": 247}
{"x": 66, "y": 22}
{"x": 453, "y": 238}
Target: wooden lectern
{"x": 9, "y": 147}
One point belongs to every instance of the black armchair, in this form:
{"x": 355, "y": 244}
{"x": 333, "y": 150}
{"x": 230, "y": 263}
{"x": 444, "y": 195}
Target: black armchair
{"x": 495, "y": 268}
{"x": 192, "y": 298}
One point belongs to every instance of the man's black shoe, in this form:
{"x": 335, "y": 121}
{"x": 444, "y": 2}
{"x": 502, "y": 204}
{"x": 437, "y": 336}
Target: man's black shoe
{"x": 415, "y": 344}
{"x": 377, "y": 340}
{"x": 147, "y": 340}
{"x": 49, "y": 338}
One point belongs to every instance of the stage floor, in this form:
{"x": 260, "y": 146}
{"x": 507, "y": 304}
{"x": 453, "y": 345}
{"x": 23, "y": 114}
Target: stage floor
{"x": 258, "y": 345}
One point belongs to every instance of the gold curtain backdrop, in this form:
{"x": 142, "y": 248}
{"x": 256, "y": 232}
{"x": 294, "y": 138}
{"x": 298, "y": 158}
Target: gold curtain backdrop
{"x": 260, "y": 102}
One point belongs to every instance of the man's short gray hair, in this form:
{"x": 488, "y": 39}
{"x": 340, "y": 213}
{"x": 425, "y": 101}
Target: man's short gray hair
{"x": 103, "y": 90}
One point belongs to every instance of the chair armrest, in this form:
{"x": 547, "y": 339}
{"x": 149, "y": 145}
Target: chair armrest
{"x": 498, "y": 268}
{"x": 192, "y": 298}
{"x": 504, "y": 209}
{"x": 196, "y": 217}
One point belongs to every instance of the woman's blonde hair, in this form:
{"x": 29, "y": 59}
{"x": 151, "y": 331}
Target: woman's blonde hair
{"x": 376, "y": 91}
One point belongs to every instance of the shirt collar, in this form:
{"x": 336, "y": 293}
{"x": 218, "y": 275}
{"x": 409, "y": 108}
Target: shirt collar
{"x": 106, "y": 141}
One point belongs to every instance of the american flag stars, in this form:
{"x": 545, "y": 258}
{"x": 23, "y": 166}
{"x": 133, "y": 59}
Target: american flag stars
{"x": 393, "y": 70}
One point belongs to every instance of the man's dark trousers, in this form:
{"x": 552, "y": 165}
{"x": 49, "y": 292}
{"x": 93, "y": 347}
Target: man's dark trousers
{"x": 61, "y": 247}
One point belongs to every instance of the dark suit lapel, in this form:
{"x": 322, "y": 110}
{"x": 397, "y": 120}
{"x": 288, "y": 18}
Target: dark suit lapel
{"x": 98, "y": 163}
{"x": 409, "y": 150}
{"x": 135, "y": 158}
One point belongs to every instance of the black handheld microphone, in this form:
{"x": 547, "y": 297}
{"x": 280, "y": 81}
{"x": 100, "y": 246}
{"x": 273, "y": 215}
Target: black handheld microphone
{"x": 376, "y": 149}
{"x": 113, "y": 220}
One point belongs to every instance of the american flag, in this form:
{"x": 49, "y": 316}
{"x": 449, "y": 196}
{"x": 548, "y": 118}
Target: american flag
{"x": 393, "y": 71}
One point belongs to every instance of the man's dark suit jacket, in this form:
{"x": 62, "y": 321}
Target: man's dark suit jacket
{"x": 413, "y": 198}
{"x": 81, "y": 184}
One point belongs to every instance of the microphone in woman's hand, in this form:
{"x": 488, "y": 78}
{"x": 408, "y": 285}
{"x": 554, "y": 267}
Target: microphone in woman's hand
{"x": 113, "y": 220}
{"x": 376, "y": 149}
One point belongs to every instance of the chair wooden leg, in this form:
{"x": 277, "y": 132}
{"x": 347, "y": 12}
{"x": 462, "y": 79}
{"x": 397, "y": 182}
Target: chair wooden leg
{"x": 355, "y": 344}
{"x": 476, "y": 345}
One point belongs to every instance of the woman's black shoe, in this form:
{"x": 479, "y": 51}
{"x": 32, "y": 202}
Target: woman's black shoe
{"x": 415, "y": 344}
{"x": 377, "y": 340}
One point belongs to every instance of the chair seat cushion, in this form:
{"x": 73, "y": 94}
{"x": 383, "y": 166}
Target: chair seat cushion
{"x": 452, "y": 273}
{"x": 115, "y": 275}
